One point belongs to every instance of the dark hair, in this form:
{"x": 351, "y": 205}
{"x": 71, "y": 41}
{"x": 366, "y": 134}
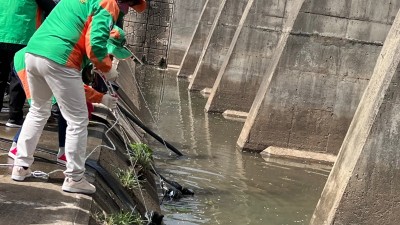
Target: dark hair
{"x": 134, "y": 2}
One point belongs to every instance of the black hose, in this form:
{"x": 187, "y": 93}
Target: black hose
{"x": 115, "y": 186}
{"x": 149, "y": 131}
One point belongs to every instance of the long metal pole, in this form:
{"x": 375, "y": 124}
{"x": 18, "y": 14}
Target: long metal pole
{"x": 149, "y": 131}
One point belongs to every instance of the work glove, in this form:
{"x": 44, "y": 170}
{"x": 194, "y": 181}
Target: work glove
{"x": 113, "y": 74}
{"x": 109, "y": 101}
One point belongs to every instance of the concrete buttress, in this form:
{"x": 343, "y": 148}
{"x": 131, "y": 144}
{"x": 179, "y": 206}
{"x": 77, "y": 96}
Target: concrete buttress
{"x": 249, "y": 54}
{"x": 186, "y": 16}
{"x": 363, "y": 187}
{"x": 217, "y": 44}
{"x": 203, "y": 28}
{"x": 316, "y": 78}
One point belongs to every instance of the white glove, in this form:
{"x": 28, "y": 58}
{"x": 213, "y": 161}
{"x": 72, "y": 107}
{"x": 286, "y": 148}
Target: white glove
{"x": 109, "y": 101}
{"x": 113, "y": 74}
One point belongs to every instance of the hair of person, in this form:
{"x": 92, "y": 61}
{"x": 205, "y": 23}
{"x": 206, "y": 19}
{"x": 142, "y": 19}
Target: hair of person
{"x": 134, "y": 2}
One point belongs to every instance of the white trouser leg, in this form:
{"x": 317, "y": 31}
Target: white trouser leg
{"x": 38, "y": 113}
{"x": 67, "y": 86}
{"x": 69, "y": 92}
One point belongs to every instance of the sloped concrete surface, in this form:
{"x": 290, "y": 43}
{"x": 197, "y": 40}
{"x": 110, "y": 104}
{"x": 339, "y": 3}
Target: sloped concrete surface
{"x": 35, "y": 200}
{"x": 40, "y": 202}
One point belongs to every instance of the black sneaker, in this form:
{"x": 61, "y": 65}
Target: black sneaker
{"x": 14, "y": 123}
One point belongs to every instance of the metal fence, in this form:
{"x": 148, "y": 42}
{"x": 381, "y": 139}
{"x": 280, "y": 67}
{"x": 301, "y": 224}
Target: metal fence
{"x": 149, "y": 33}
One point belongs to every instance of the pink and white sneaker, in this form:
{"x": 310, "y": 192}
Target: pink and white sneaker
{"x": 62, "y": 159}
{"x": 12, "y": 153}
{"x": 61, "y": 156}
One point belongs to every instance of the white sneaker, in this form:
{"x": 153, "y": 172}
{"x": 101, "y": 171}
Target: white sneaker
{"x": 81, "y": 186}
{"x": 19, "y": 173}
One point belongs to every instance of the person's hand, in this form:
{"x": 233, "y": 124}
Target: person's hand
{"x": 109, "y": 101}
{"x": 113, "y": 74}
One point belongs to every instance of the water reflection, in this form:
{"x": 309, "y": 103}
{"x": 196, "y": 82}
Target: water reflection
{"x": 231, "y": 187}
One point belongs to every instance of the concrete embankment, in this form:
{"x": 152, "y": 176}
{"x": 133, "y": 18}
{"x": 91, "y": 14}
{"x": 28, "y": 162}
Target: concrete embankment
{"x": 316, "y": 78}
{"x": 299, "y": 68}
{"x": 363, "y": 185}
{"x": 41, "y": 200}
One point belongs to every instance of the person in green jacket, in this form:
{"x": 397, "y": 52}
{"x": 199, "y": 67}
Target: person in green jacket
{"x": 19, "y": 20}
{"x": 115, "y": 46}
{"x": 75, "y": 33}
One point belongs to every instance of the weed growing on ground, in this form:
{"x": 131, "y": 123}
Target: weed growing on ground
{"x": 121, "y": 218}
{"x": 141, "y": 154}
{"x": 128, "y": 179}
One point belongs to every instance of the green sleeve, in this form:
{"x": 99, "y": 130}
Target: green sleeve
{"x": 99, "y": 32}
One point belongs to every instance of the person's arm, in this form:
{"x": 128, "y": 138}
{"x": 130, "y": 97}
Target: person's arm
{"x": 46, "y": 5}
{"x": 100, "y": 25}
{"x": 92, "y": 95}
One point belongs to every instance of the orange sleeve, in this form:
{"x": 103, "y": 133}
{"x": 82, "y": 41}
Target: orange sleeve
{"x": 92, "y": 95}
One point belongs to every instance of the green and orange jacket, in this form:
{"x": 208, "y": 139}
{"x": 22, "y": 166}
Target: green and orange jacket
{"x": 19, "y": 20}
{"x": 91, "y": 95}
{"x": 76, "y": 31}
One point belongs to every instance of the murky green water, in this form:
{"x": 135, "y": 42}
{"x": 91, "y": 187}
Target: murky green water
{"x": 231, "y": 187}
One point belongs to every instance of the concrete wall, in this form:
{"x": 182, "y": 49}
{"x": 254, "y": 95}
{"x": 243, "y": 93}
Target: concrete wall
{"x": 248, "y": 57}
{"x": 204, "y": 26}
{"x": 129, "y": 89}
{"x": 186, "y": 16}
{"x": 363, "y": 185}
{"x": 309, "y": 97}
{"x": 148, "y": 33}
{"x": 217, "y": 44}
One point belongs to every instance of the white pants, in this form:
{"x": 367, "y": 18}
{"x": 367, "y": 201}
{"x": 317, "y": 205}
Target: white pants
{"x": 45, "y": 78}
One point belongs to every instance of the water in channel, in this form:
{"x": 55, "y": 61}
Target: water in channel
{"x": 231, "y": 187}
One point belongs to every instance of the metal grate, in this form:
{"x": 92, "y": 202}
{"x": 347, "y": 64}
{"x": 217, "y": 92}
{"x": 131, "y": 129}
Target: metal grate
{"x": 148, "y": 34}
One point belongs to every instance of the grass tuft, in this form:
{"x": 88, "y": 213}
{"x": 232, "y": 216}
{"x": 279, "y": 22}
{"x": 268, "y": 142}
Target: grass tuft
{"x": 121, "y": 218}
{"x": 128, "y": 179}
{"x": 141, "y": 154}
